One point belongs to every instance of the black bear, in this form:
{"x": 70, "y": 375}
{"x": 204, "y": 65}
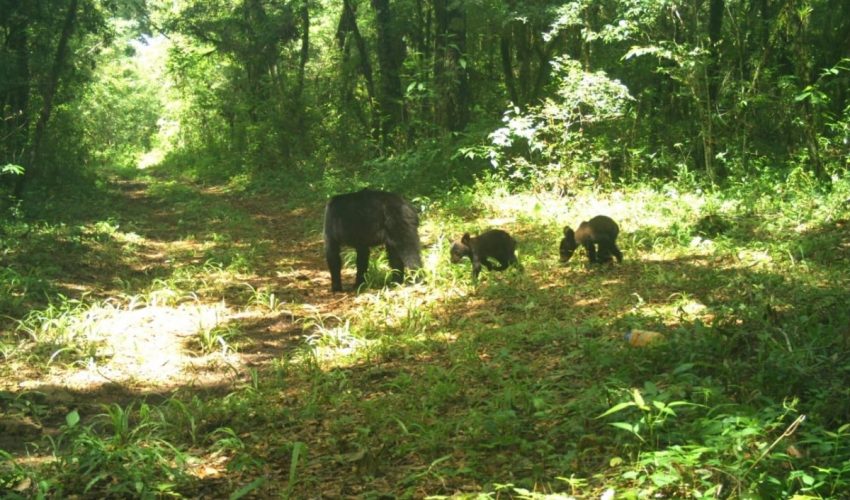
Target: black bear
{"x": 600, "y": 230}
{"x": 495, "y": 243}
{"x": 365, "y": 219}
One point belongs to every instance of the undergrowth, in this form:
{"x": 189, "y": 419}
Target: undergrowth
{"x": 519, "y": 386}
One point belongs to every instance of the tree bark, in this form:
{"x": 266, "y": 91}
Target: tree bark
{"x": 305, "y": 46}
{"x": 524, "y": 81}
{"x": 348, "y": 25}
{"x": 34, "y": 167}
{"x": 390, "y": 51}
{"x": 715, "y": 26}
{"x": 15, "y": 104}
{"x": 508, "y": 65}
{"x": 450, "y": 73}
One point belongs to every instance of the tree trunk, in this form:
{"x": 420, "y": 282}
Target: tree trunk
{"x": 34, "y": 167}
{"x": 390, "y": 52}
{"x": 15, "y": 101}
{"x": 715, "y": 25}
{"x": 450, "y": 73}
{"x": 348, "y": 25}
{"x": 305, "y": 45}
{"x": 522, "y": 45}
{"x": 508, "y": 65}
{"x": 522, "y": 42}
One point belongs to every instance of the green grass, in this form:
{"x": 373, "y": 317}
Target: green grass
{"x": 519, "y": 386}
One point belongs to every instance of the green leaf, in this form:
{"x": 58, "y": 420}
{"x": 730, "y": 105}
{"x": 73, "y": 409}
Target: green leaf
{"x": 662, "y": 479}
{"x": 293, "y": 463}
{"x": 401, "y": 424}
{"x": 638, "y": 51}
{"x": 11, "y": 168}
{"x": 616, "y": 408}
{"x": 684, "y": 367}
{"x": 72, "y": 419}
{"x": 440, "y": 460}
{"x": 627, "y": 427}
{"x": 639, "y": 400}
{"x": 248, "y": 488}
{"x": 94, "y": 481}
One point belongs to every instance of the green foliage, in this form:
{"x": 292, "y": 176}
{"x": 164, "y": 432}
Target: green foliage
{"x": 429, "y": 170}
{"x": 119, "y": 111}
{"x": 210, "y": 339}
{"x": 477, "y": 385}
{"x": 716, "y": 139}
{"x": 633, "y": 90}
{"x": 63, "y": 330}
{"x": 653, "y": 413}
{"x": 560, "y": 144}
{"x": 119, "y": 454}
{"x": 11, "y": 169}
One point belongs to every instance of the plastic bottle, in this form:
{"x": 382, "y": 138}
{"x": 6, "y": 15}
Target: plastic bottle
{"x": 640, "y": 338}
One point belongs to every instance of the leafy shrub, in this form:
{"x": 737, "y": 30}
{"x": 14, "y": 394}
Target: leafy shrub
{"x": 559, "y": 144}
{"x": 120, "y": 454}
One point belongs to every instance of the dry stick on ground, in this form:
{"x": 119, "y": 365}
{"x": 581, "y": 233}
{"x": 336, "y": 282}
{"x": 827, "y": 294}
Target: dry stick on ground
{"x": 790, "y": 430}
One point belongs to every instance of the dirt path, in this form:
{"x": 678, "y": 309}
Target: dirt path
{"x": 148, "y": 339}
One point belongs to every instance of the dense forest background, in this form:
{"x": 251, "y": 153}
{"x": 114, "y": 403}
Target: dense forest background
{"x": 164, "y": 163}
{"x": 425, "y": 93}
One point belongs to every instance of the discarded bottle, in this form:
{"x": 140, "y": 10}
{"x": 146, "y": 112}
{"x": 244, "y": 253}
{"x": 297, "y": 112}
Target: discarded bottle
{"x": 640, "y": 338}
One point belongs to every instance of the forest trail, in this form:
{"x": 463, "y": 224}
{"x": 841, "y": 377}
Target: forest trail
{"x": 201, "y": 287}
{"x": 204, "y": 315}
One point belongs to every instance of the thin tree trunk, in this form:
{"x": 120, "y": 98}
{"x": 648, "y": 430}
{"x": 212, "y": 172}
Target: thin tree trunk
{"x": 59, "y": 61}
{"x": 390, "y": 50}
{"x": 449, "y": 71}
{"x": 715, "y": 26}
{"x": 348, "y": 24}
{"x": 508, "y": 65}
{"x": 16, "y": 100}
{"x": 305, "y": 46}
{"x": 522, "y": 42}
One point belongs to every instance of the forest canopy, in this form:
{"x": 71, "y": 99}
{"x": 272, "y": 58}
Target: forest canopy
{"x": 544, "y": 92}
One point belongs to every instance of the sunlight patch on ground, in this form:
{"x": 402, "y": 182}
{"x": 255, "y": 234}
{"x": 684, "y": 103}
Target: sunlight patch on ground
{"x": 145, "y": 345}
{"x": 587, "y": 302}
{"x": 407, "y": 311}
{"x": 674, "y": 311}
{"x": 751, "y": 258}
{"x": 329, "y": 344}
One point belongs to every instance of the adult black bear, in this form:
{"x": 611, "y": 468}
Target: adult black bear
{"x": 495, "y": 243}
{"x": 365, "y": 219}
{"x": 600, "y": 230}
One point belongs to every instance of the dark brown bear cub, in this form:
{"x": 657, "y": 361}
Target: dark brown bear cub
{"x": 495, "y": 244}
{"x": 600, "y": 230}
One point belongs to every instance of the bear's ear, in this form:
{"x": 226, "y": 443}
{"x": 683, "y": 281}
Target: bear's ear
{"x": 465, "y": 238}
{"x": 567, "y": 231}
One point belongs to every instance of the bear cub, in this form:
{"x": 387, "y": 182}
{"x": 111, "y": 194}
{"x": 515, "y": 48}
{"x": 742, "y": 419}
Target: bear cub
{"x": 493, "y": 244}
{"x": 600, "y": 230}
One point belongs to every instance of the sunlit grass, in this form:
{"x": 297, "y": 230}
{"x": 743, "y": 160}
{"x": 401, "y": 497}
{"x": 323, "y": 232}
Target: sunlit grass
{"x": 146, "y": 339}
{"x": 441, "y": 385}
{"x": 672, "y": 280}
